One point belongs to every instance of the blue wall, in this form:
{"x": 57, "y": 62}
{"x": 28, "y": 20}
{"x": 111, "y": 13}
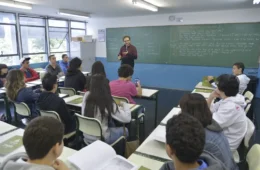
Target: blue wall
{"x": 171, "y": 76}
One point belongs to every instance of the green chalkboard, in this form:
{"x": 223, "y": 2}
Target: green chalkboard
{"x": 204, "y": 45}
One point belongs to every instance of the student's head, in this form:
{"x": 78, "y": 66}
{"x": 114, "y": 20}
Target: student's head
{"x": 185, "y": 138}
{"x": 65, "y": 58}
{"x": 238, "y": 68}
{"x": 50, "y": 83}
{"x": 52, "y": 59}
{"x": 14, "y": 82}
{"x": 228, "y": 85}
{"x": 196, "y": 105}
{"x": 25, "y": 62}
{"x": 99, "y": 97}
{"x": 3, "y": 69}
{"x": 126, "y": 72}
{"x": 43, "y": 138}
{"x": 75, "y": 64}
{"x": 98, "y": 68}
{"x": 127, "y": 40}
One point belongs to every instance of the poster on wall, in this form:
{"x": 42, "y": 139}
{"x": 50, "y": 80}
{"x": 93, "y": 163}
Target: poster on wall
{"x": 102, "y": 35}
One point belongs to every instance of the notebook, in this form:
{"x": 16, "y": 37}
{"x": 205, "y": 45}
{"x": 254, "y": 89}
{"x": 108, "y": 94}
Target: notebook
{"x": 100, "y": 156}
{"x": 76, "y": 101}
{"x": 10, "y": 145}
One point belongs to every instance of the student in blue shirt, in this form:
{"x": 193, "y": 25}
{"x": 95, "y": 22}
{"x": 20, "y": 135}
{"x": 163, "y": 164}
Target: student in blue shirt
{"x": 64, "y": 63}
{"x": 185, "y": 140}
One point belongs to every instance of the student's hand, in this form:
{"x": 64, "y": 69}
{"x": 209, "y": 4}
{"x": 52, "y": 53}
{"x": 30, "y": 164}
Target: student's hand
{"x": 59, "y": 165}
{"x": 138, "y": 84}
{"x": 214, "y": 95}
{"x": 119, "y": 57}
{"x": 125, "y": 53}
{"x": 121, "y": 103}
{"x": 210, "y": 78}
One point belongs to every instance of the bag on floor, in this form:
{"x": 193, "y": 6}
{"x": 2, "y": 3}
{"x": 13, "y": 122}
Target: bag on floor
{"x": 131, "y": 143}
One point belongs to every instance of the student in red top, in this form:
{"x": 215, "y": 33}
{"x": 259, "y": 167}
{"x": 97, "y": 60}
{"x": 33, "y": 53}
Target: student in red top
{"x": 128, "y": 52}
{"x": 29, "y": 73}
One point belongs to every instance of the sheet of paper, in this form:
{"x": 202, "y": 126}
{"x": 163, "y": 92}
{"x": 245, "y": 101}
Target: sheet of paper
{"x": 160, "y": 134}
{"x": 118, "y": 163}
{"x": 10, "y": 145}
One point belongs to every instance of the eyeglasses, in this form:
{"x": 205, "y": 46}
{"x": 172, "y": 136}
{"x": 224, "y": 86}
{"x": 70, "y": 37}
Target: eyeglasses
{"x": 127, "y": 41}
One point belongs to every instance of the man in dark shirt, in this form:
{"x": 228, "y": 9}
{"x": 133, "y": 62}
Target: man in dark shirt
{"x": 128, "y": 52}
{"x": 53, "y": 68}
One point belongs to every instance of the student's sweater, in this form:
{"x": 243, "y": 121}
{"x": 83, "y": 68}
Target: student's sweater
{"x": 230, "y": 115}
{"x": 64, "y": 66}
{"x": 75, "y": 80}
{"x": 30, "y": 74}
{"x": 49, "y": 101}
{"x": 16, "y": 162}
{"x": 123, "y": 115}
{"x": 212, "y": 162}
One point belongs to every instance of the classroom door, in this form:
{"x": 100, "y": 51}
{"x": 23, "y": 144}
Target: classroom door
{"x": 88, "y": 55}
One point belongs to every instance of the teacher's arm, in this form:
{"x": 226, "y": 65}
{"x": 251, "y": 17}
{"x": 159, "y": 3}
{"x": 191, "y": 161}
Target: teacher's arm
{"x": 119, "y": 56}
{"x": 132, "y": 54}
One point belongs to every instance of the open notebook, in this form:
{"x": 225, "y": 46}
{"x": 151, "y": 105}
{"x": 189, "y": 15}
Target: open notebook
{"x": 100, "y": 156}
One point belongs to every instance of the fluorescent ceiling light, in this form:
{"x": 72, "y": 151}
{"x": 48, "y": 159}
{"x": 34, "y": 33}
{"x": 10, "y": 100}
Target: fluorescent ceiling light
{"x": 73, "y": 13}
{"x": 15, "y": 4}
{"x": 145, "y": 5}
{"x": 256, "y": 2}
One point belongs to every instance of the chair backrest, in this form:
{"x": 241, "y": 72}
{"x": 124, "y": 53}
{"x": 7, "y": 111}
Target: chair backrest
{"x": 89, "y": 126}
{"x": 253, "y": 157}
{"x": 81, "y": 93}
{"x": 249, "y": 132}
{"x": 247, "y": 108}
{"x": 248, "y": 95}
{"x": 22, "y": 109}
{"x": 52, "y": 114}
{"x": 68, "y": 91}
{"x": 120, "y": 99}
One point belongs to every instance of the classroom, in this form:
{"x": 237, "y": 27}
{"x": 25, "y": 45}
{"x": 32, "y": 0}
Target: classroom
{"x": 129, "y": 85}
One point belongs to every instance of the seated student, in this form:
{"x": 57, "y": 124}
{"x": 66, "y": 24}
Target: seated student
{"x": 238, "y": 70}
{"x": 16, "y": 90}
{"x": 53, "y": 68}
{"x": 229, "y": 111}
{"x": 64, "y": 63}
{"x": 185, "y": 140}
{"x": 74, "y": 77}
{"x": 3, "y": 73}
{"x": 43, "y": 143}
{"x": 215, "y": 142}
{"x": 123, "y": 87}
{"x": 97, "y": 68}
{"x": 98, "y": 103}
{"x": 49, "y": 101}
{"x": 29, "y": 73}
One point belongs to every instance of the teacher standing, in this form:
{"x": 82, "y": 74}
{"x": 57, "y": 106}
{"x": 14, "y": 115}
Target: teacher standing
{"x": 128, "y": 52}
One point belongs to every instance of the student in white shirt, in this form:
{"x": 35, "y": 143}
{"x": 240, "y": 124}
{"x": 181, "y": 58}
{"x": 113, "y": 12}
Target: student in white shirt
{"x": 238, "y": 70}
{"x": 229, "y": 111}
{"x": 98, "y": 103}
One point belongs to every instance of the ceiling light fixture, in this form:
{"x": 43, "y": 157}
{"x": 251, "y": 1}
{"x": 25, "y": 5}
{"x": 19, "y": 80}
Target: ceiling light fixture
{"x": 256, "y": 2}
{"x": 145, "y": 5}
{"x": 74, "y": 13}
{"x": 15, "y": 4}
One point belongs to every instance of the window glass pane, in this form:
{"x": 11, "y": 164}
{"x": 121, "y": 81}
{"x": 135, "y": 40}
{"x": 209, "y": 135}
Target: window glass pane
{"x": 80, "y": 25}
{"x": 37, "y": 58}
{"x": 10, "y": 60}
{"x": 32, "y": 21}
{"x": 8, "y": 44}
{"x": 76, "y": 33}
{"x": 7, "y": 18}
{"x": 59, "y": 40}
{"x": 57, "y": 23}
{"x": 33, "y": 39}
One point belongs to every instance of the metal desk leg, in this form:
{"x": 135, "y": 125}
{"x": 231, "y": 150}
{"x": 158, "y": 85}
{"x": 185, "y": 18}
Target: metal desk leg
{"x": 156, "y": 106}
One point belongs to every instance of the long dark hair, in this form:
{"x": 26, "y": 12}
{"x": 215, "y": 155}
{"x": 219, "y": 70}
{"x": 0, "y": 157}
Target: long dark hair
{"x": 99, "y": 98}
{"x": 98, "y": 68}
{"x": 74, "y": 64}
{"x": 196, "y": 105}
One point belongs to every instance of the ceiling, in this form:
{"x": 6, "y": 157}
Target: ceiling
{"x": 120, "y": 8}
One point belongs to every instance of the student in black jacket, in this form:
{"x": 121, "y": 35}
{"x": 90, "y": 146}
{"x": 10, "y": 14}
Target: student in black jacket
{"x": 74, "y": 77}
{"x": 49, "y": 101}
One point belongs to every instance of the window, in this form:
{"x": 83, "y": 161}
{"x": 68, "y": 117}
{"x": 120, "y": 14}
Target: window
{"x": 33, "y": 38}
{"x": 58, "y": 37}
{"x": 8, "y": 39}
{"x": 78, "y": 29}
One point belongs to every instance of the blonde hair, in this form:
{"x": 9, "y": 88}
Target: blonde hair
{"x": 14, "y": 82}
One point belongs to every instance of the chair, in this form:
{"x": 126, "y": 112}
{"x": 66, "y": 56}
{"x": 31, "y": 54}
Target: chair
{"x": 247, "y": 108}
{"x": 92, "y": 126}
{"x": 248, "y": 95}
{"x": 55, "y": 115}
{"x": 119, "y": 99}
{"x": 67, "y": 90}
{"x": 81, "y": 93}
{"x": 253, "y": 156}
{"x": 23, "y": 110}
